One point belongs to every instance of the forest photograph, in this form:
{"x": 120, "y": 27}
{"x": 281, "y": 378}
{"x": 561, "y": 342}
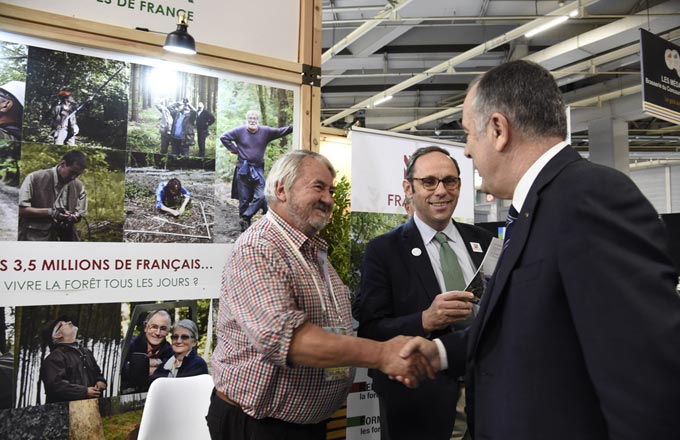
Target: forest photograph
{"x": 275, "y": 108}
{"x": 103, "y": 181}
{"x": 155, "y": 215}
{"x": 172, "y": 112}
{"x": 74, "y": 99}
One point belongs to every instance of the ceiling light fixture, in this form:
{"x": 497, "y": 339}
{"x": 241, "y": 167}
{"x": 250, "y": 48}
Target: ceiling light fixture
{"x": 382, "y": 100}
{"x": 180, "y": 41}
{"x": 551, "y": 24}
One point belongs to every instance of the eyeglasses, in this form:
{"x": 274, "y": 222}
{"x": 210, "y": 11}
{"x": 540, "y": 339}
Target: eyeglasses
{"x": 182, "y": 337}
{"x": 159, "y": 328}
{"x": 431, "y": 183}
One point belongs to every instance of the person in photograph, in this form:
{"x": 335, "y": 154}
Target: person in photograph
{"x": 204, "y": 119}
{"x": 70, "y": 371}
{"x": 183, "y": 127}
{"x": 185, "y": 361}
{"x": 410, "y": 286}
{"x": 53, "y": 200}
{"x": 578, "y": 328}
{"x": 63, "y": 119}
{"x": 249, "y": 142}
{"x": 164, "y": 125}
{"x": 11, "y": 110}
{"x": 172, "y": 197}
{"x": 285, "y": 354}
{"x": 147, "y": 351}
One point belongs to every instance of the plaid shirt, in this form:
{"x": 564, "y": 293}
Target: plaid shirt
{"x": 267, "y": 292}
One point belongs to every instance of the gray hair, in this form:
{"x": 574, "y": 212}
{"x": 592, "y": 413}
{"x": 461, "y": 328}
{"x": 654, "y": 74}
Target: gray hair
{"x": 286, "y": 169}
{"x": 163, "y": 313}
{"x": 189, "y": 325}
{"x": 526, "y": 94}
{"x": 253, "y": 112}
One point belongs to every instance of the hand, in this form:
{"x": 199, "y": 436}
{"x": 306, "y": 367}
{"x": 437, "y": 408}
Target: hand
{"x": 100, "y": 385}
{"x": 174, "y": 212}
{"x": 180, "y": 211}
{"x": 447, "y": 308}
{"x": 411, "y": 369}
{"x": 93, "y": 392}
{"x": 420, "y": 347}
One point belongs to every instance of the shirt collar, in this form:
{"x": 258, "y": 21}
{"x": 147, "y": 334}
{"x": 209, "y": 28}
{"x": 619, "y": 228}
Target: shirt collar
{"x": 428, "y": 233}
{"x": 524, "y": 185}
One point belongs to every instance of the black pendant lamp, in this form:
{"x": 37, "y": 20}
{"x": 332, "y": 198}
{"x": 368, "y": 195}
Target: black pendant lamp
{"x": 180, "y": 41}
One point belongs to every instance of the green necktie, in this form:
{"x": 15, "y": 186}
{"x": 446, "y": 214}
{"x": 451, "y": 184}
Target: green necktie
{"x": 453, "y": 274}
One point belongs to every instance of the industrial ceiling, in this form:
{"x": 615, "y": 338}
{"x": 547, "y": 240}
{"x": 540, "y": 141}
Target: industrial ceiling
{"x": 424, "y": 53}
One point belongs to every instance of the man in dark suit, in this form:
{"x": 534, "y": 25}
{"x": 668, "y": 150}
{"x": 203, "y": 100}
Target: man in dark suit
{"x": 204, "y": 119}
{"x": 578, "y": 331}
{"x": 403, "y": 292}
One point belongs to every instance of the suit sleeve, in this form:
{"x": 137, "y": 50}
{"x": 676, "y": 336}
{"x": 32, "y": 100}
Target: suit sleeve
{"x": 620, "y": 286}
{"x": 377, "y": 295}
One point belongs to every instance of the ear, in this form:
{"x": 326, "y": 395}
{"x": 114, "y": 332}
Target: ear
{"x": 280, "y": 192}
{"x": 500, "y": 131}
{"x": 6, "y": 105}
{"x": 408, "y": 189}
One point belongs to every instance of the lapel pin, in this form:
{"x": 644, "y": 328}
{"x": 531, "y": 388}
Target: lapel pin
{"x": 416, "y": 252}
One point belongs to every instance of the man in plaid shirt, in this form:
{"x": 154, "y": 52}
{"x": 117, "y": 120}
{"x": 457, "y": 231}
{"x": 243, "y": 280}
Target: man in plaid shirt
{"x": 285, "y": 352}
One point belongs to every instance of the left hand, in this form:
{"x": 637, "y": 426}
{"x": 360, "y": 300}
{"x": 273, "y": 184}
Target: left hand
{"x": 410, "y": 369}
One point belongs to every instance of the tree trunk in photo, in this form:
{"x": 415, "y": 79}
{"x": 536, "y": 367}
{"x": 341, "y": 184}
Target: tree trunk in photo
{"x": 85, "y": 422}
{"x": 135, "y": 84}
{"x": 282, "y": 112}
{"x": 262, "y": 100}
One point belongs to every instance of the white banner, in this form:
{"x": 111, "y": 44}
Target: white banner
{"x": 37, "y": 273}
{"x": 263, "y": 27}
{"x": 379, "y": 161}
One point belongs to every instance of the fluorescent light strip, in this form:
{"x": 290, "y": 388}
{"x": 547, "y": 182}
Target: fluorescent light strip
{"x": 382, "y": 100}
{"x": 550, "y": 24}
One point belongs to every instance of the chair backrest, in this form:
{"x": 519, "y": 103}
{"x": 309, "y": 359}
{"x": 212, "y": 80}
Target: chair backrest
{"x": 176, "y": 407}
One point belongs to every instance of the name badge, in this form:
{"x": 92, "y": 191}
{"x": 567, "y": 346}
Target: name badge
{"x": 476, "y": 247}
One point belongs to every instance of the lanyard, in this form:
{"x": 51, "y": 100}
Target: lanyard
{"x": 324, "y": 267}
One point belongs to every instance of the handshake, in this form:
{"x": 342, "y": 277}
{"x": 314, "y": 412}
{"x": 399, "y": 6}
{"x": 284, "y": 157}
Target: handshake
{"x": 409, "y": 360}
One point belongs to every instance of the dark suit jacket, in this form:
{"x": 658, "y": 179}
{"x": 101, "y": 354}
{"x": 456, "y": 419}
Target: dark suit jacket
{"x": 204, "y": 120}
{"x": 396, "y": 286}
{"x": 578, "y": 331}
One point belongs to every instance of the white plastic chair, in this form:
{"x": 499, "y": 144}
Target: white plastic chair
{"x": 175, "y": 408}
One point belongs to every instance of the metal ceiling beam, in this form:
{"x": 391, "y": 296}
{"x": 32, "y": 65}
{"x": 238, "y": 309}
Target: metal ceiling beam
{"x": 450, "y": 64}
{"x": 362, "y": 30}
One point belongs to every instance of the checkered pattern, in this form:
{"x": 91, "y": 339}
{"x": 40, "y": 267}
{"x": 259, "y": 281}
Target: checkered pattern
{"x": 266, "y": 294}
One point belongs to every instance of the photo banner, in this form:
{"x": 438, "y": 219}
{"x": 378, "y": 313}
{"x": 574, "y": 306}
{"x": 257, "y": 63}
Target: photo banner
{"x": 379, "y": 161}
{"x": 84, "y": 273}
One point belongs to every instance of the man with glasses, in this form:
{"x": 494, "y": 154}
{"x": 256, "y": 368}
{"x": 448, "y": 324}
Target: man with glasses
{"x": 147, "y": 351}
{"x": 53, "y": 200}
{"x": 404, "y": 292}
{"x": 70, "y": 371}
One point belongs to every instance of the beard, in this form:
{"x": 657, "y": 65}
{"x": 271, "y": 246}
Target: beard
{"x": 306, "y": 219}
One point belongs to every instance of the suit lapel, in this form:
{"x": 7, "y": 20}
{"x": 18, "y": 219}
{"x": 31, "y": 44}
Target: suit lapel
{"x": 520, "y": 234}
{"x": 418, "y": 259}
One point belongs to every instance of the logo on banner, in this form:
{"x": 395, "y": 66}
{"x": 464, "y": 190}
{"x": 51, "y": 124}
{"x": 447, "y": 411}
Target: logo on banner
{"x": 673, "y": 60}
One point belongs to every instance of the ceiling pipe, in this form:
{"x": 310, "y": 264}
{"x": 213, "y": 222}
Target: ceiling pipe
{"x": 476, "y": 51}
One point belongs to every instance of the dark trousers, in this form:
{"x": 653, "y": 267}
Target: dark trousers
{"x": 202, "y": 136}
{"x": 250, "y": 196}
{"x": 229, "y": 422}
{"x": 165, "y": 142}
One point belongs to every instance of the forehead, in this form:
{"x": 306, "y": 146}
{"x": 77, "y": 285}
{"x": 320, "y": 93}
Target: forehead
{"x": 312, "y": 170}
{"x": 182, "y": 331}
{"x": 158, "y": 319}
{"x": 435, "y": 164}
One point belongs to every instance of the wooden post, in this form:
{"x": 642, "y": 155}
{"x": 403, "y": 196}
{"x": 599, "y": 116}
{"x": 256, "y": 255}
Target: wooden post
{"x": 85, "y": 421}
{"x": 310, "y": 58}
